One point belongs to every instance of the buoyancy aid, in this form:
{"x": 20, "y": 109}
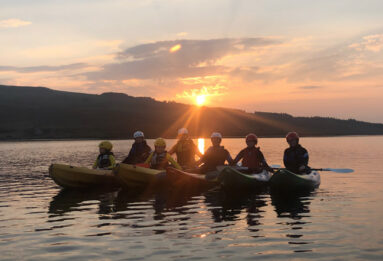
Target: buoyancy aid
{"x": 252, "y": 158}
{"x": 214, "y": 156}
{"x": 105, "y": 160}
{"x": 185, "y": 152}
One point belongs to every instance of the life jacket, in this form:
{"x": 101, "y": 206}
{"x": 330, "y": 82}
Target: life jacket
{"x": 185, "y": 152}
{"x": 295, "y": 157}
{"x": 159, "y": 161}
{"x": 214, "y": 156}
{"x": 103, "y": 160}
{"x": 252, "y": 158}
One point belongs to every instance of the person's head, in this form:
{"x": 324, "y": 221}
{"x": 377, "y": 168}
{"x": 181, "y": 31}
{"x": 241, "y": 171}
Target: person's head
{"x": 183, "y": 134}
{"x": 216, "y": 138}
{"x": 159, "y": 145}
{"x": 251, "y": 140}
{"x": 105, "y": 146}
{"x": 138, "y": 136}
{"x": 292, "y": 139}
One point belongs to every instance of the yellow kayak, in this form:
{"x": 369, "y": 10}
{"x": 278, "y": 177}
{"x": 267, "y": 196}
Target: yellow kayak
{"x": 135, "y": 176}
{"x": 81, "y": 177}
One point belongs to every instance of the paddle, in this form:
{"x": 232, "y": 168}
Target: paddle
{"x": 326, "y": 169}
{"x": 335, "y": 170}
{"x": 239, "y": 168}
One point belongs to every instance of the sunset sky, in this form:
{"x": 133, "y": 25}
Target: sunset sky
{"x": 306, "y": 58}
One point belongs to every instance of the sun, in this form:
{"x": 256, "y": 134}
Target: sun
{"x": 200, "y": 100}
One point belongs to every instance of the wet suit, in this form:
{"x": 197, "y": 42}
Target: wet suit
{"x": 138, "y": 153}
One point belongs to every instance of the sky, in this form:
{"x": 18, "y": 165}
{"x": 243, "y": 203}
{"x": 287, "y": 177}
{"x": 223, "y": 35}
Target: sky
{"x": 305, "y": 58}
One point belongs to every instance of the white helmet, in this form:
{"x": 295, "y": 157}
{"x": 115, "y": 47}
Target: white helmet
{"x": 183, "y": 131}
{"x": 138, "y": 134}
{"x": 216, "y": 135}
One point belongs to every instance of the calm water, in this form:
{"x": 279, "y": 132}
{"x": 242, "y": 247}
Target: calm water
{"x": 343, "y": 219}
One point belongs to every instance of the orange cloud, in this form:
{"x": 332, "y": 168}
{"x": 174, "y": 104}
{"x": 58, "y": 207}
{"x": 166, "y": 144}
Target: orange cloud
{"x": 13, "y": 23}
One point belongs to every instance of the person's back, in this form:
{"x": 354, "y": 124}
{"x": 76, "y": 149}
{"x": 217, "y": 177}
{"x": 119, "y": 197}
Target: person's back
{"x": 140, "y": 150}
{"x": 185, "y": 149}
{"x": 295, "y": 157}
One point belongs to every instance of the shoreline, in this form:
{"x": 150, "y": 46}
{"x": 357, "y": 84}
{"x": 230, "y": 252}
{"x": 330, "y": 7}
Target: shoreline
{"x": 150, "y": 138}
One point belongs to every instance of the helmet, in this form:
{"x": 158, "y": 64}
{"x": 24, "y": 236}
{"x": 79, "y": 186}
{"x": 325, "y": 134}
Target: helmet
{"x": 138, "y": 134}
{"x": 216, "y": 135}
{"x": 105, "y": 145}
{"x": 292, "y": 136}
{"x": 251, "y": 137}
{"x": 160, "y": 142}
{"x": 183, "y": 131}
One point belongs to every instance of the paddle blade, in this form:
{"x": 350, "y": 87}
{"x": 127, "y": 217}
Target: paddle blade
{"x": 338, "y": 170}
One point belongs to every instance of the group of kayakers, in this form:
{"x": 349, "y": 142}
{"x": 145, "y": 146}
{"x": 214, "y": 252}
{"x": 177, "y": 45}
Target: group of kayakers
{"x": 295, "y": 157}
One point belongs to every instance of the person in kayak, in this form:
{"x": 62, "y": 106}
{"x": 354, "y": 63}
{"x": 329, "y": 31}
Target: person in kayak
{"x": 140, "y": 150}
{"x": 215, "y": 155}
{"x": 160, "y": 158}
{"x": 185, "y": 150}
{"x": 252, "y": 157}
{"x": 105, "y": 159}
{"x": 296, "y": 158}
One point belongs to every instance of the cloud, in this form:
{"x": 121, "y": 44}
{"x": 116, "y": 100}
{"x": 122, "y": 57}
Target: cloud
{"x": 12, "y": 23}
{"x": 360, "y": 59}
{"x": 373, "y": 43}
{"x": 310, "y": 87}
{"x": 195, "y": 58}
{"x": 43, "y": 68}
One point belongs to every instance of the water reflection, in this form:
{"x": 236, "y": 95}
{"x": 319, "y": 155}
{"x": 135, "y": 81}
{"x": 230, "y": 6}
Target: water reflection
{"x": 296, "y": 208}
{"x": 76, "y": 200}
{"x": 226, "y": 206}
{"x": 291, "y": 205}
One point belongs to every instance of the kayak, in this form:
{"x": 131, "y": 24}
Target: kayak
{"x": 135, "y": 176}
{"x": 232, "y": 178}
{"x": 181, "y": 179}
{"x": 68, "y": 176}
{"x": 284, "y": 180}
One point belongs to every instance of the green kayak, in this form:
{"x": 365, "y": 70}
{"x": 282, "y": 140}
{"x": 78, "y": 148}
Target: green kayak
{"x": 284, "y": 180}
{"x": 231, "y": 178}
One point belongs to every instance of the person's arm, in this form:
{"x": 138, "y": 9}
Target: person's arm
{"x": 173, "y": 149}
{"x": 238, "y": 157}
{"x": 149, "y": 159}
{"x": 229, "y": 159}
{"x": 303, "y": 160}
{"x": 264, "y": 163}
{"x": 95, "y": 164}
{"x": 129, "y": 158}
{"x": 112, "y": 162}
{"x": 285, "y": 162}
{"x": 173, "y": 162}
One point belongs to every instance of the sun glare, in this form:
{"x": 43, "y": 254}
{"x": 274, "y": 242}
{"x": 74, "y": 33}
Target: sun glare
{"x": 175, "y": 48}
{"x": 200, "y": 100}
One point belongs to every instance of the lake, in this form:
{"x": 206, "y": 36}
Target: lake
{"x": 341, "y": 220}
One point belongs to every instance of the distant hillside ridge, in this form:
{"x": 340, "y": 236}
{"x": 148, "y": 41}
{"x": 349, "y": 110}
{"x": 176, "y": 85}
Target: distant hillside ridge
{"x": 42, "y": 113}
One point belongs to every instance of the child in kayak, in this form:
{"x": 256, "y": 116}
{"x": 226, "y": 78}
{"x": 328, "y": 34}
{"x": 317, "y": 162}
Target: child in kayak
{"x": 105, "y": 159}
{"x": 215, "y": 155}
{"x": 140, "y": 151}
{"x": 296, "y": 158}
{"x": 185, "y": 149}
{"x": 252, "y": 157}
{"x": 160, "y": 158}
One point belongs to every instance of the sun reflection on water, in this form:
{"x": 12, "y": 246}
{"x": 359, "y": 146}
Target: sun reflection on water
{"x": 201, "y": 145}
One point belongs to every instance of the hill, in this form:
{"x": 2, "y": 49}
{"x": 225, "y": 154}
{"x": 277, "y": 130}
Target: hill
{"x": 42, "y": 113}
